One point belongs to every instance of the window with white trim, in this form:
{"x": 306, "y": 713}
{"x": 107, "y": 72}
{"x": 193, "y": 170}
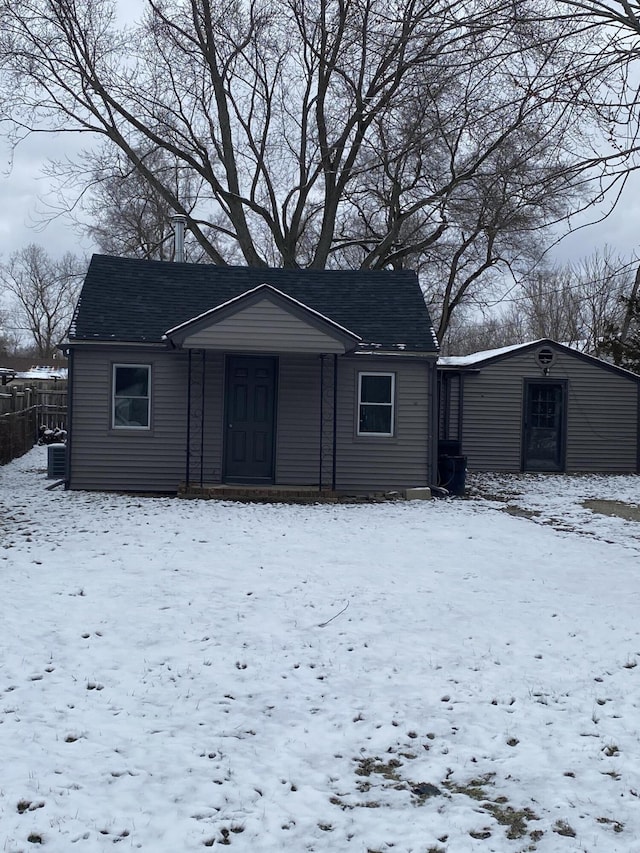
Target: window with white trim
{"x": 131, "y": 396}
{"x": 376, "y": 403}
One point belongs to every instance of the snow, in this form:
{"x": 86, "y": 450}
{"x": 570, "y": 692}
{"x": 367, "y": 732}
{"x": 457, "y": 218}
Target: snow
{"x": 42, "y": 373}
{"x": 484, "y": 355}
{"x": 183, "y": 674}
{"x": 461, "y": 361}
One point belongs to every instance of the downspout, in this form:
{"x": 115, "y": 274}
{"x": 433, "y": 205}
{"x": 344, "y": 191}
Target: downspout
{"x": 443, "y": 408}
{"x": 335, "y": 422}
{"x": 460, "y": 408}
{"x": 67, "y": 464}
{"x": 433, "y": 423}
{"x": 320, "y": 453}
{"x": 202, "y": 403}
{"x": 638, "y": 432}
{"x": 188, "y": 460}
{"x": 179, "y": 222}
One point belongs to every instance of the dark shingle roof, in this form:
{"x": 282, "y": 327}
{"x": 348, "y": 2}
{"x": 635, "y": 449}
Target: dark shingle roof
{"x": 126, "y": 299}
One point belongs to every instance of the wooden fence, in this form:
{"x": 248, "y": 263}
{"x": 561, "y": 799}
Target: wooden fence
{"x": 52, "y": 407}
{"x": 23, "y": 410}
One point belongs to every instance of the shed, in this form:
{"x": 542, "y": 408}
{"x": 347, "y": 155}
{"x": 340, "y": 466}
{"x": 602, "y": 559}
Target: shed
{"x": 540, "y": 406}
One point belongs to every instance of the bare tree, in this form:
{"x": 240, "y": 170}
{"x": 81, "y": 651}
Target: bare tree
{"x": 320, "y": 133}
{"x": 43, "y": 292}
{"x": 575, "y": 303}
{"x": 549, "y": 303}
{"x": 606, "y": 74}
{"x": 126, "y": 215}
{"x": 581, "y": 304}
{"x": 466, "y": 335}
{"x": 8, "y": 340}
{"x": 603, "y": 281}
{"x": 620, "y": 339}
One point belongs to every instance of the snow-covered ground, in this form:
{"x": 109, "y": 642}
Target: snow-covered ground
{"x": 441, "y": 676}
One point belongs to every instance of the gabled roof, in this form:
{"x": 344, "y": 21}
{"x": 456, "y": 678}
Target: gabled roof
{"x": 260, "y": 293}
{"x": 476, "y": 360}
{"x": 138, "y": 301}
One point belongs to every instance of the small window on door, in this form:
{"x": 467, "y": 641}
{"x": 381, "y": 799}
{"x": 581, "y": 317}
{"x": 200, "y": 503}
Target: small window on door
{"x": 131, "y": 396}
{"x": 376, "y": 396}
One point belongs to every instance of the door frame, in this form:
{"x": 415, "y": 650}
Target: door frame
{"x": 228, "y": 360}
{"x": 562, "y": 428}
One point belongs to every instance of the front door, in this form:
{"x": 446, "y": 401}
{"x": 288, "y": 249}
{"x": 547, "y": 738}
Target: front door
{"x": 544, "y": 426}
{"x": 250, "y": 409}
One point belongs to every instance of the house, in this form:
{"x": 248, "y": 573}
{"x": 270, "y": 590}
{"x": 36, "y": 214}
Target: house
{"x": 539, "y": 406}
{"x": 201, "y": 375}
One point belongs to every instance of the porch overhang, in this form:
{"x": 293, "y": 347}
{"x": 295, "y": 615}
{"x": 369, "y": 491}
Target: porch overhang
{"x": 263, "y": 319}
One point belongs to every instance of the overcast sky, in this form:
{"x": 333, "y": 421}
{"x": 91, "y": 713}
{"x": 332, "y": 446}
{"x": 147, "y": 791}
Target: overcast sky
{"x": 24, "y": 192}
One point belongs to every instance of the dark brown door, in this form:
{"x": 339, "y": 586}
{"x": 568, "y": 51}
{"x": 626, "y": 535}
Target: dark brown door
{"x": 544, "y": 426}
{"x": 250, "y": 409}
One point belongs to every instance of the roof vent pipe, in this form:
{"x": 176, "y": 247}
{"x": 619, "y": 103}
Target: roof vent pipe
{"x": 179, "y": 221}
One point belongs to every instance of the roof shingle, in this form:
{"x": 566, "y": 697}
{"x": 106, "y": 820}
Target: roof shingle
{"x": 125, "y": 299}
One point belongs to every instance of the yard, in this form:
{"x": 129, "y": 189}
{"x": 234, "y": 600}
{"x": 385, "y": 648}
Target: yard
{"x": 448, "y": 676}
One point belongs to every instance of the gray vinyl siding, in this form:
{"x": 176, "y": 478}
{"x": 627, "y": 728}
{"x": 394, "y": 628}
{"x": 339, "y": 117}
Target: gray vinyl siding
{"x": 263, "y": 327}
{"x": 602, "y": 421}
{"x": 137, "y": 460}
{"x": 602, "y": 414}
{"x": 372, "y": 463}
{"x": 449, "y": 414}
{"x": 363, "y": 463}
{"x": 454, "y": 407}
{"x": 298, "y": 421}
{"x": 154, "y": 460}
{"x": 492, "y": 418}
{"x": 443, "y": 408}
{"x": 213, "y": 419}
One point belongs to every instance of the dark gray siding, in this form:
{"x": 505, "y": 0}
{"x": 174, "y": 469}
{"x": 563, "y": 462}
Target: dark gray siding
{"x": 155, "y": 460}
{"x": 602, "y": 414}
{"x": 369, "y": 463}
{"x": 449, "y": 413}
{"x": 298, "y": 419}
{"x": 104, "y": 458}
{"x": 205, "y": 446}
{"x": 602, "y": 424}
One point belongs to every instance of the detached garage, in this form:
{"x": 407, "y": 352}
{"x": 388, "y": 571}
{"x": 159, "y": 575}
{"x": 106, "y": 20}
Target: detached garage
{"x": 540, "y": 406}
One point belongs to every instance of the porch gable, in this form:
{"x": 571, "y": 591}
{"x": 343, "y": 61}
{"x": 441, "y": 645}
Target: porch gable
{"x": 263, "y": 319}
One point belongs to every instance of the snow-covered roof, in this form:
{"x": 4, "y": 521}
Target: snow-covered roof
{"x": 478, "y": 358}
{"x": 484, "y": 355}
{"x": 43, "y": 373}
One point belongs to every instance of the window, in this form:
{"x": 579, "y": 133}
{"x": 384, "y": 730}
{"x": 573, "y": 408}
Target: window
{"x": 131, "y": 396}
{"x": 376, "y": 403}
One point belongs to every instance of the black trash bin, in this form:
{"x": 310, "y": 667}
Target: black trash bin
{"x": 449, "y": 447}
{"x": 452, "y": 473}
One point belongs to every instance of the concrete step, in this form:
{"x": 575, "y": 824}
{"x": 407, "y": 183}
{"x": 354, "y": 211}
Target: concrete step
{"x": 259, "y": 494}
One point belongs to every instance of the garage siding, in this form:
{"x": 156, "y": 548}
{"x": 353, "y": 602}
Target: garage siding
{"x": 602, "y": 414}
